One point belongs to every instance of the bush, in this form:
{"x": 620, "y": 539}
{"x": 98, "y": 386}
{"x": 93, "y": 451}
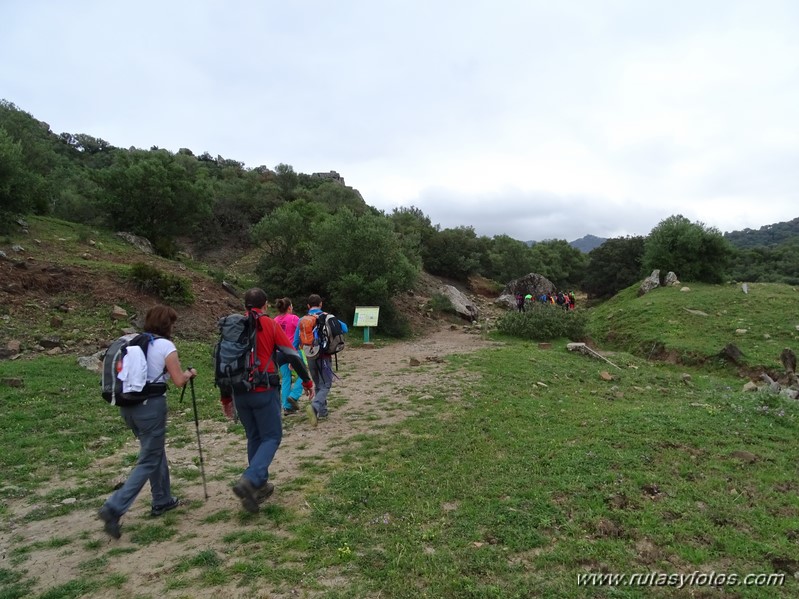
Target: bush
{"x": 543, "y": 322}
{"x": 440, "y": 303}
{"x": 170, "y": 288}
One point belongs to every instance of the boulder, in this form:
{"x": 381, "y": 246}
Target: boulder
{"x": 506, "y": 301}
{"x": 139, "y": 243}
{"x": 50, "y": 342}
{"x": 649, "y": 283}
{"x": 94, "y": 363}
{"x": 118, "y": 313}
{"x": 531, "y": 283}
{"x": 463, "y": 306}
{"x": 671, "y": 280}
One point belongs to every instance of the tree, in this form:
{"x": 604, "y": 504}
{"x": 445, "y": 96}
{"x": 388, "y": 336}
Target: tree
{"x": 331, "y": 196}
{"x": 37, "y": 146}
{"x": 365, "y": 244}
{"x": 772, "y": 264}
{"x": 286, "y": 179}
{"x": 151, "y": 194}
{"x": 453, "y": 253}
{"x": 508, "y": 259}
{"x": 17, "y": 184}
{"x": 286, "y": 237}
{"x": 559, "y": 262}
{"x": 692, "y": 251}
{"x": 613, "y": 266}
{"x": 358, "y": 259}
{"x": 413, "y": 229}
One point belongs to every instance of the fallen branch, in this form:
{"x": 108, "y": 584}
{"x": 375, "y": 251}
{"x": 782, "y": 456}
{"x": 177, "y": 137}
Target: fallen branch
{"x": 584, "y": 349}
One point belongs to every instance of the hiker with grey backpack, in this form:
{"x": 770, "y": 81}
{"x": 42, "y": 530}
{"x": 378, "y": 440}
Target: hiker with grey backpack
{"x": 320, "y": 336}
{"x": 246, "y": 370}
{"x": 135, "y": 371}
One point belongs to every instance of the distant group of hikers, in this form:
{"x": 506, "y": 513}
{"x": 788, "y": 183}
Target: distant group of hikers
{"x": 260, "y": 407}
{"x": 561, "y": 298}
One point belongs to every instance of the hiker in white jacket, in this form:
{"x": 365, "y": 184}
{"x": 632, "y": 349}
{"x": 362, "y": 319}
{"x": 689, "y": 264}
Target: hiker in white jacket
{"x": 147, "y": 420}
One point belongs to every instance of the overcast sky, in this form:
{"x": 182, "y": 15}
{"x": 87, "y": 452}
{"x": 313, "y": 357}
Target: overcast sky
{"x": 539, "y": 120}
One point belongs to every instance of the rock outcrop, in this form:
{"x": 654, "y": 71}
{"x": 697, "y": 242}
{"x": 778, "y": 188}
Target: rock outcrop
{"x": 532, "y": 283}
{"x": 649, "y": 283}
{"x": 463, "y": 306}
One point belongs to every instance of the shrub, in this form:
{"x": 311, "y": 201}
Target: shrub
{"x": 543, "y": 322}
{"x": 440, "y": 303}
{"x": 170, "y": 288}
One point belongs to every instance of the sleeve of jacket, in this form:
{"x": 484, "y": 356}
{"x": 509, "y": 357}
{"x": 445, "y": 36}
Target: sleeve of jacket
{"x": 344, "y": 326}
{"x": 293, "y": 357}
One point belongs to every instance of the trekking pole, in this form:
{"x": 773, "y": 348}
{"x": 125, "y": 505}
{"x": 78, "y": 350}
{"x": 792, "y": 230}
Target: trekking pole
{"x": 197, "y": 428}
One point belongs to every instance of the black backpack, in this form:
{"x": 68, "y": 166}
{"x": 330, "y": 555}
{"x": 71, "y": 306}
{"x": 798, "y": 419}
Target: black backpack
{"x": 114, "y": 361}
{"x": 329, "y": 333}
{"x": 236, "y": 363}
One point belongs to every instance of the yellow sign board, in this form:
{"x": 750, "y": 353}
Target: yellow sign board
{"x": 366, "y": 316}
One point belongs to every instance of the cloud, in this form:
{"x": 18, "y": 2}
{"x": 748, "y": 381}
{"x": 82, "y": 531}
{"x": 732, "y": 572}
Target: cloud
{"x": 535, "y": 119}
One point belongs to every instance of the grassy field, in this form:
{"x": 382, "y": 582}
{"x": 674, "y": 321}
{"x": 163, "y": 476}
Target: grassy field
{"x": 535, "y": 473}
{"x": 694, "y": 326}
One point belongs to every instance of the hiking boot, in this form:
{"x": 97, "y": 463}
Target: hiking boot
{"x": 294, "y": 403}
{"x": 311, "y": 415}
{"x": 165, "y": 507}
{"x": 245, "y": 491}
{"x": 111, "y": 522}
{"x": 289, "y": 412}
{"x": 263, "y": 492}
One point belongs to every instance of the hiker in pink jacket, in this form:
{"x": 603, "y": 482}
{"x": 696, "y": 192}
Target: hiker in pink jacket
{"x": 289, "y": 393}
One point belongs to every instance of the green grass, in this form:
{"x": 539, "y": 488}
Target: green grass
{"x": 508, "y": 488}
{"x": 659, "y": 323}
{"x": 511, "y": 494}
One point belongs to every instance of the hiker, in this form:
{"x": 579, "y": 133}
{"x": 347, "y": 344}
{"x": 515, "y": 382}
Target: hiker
{"x": 289, "y": 393}
{"x": 520, "y": 302}
{"x": 319, "y": 365}
{"x": 147, "y": 420}
{"x": 259, "y": 409}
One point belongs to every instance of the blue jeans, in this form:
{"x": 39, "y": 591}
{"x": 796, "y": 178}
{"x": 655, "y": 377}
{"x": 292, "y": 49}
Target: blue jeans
{"x": 287, "y": 389}
{"x": 148, "y": 422}
{"x": 259, "y": 412}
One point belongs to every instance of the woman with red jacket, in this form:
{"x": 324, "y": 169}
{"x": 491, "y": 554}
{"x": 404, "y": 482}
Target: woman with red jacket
{"x": 259, "y": 409}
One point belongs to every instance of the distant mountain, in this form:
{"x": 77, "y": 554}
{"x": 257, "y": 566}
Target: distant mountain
{"x": 765, "y": 236}
{"x": 584, "y": 244}
{"x": 587, "y": 243}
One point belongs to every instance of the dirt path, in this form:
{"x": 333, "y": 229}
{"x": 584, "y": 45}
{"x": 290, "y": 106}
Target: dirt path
{"x": 372, "y": 391}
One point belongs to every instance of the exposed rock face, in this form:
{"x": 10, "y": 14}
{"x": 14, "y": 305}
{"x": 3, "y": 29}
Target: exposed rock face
{"x": 464, "y": 307}
{"x": 140, "y": 243}
{"x": 650, "y": 283}
{"x": 532, "y": 283}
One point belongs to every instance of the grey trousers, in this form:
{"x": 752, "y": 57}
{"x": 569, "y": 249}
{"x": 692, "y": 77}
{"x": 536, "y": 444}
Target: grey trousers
{"x": 322, "y": 375}
{"x": 148, "y": 422}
